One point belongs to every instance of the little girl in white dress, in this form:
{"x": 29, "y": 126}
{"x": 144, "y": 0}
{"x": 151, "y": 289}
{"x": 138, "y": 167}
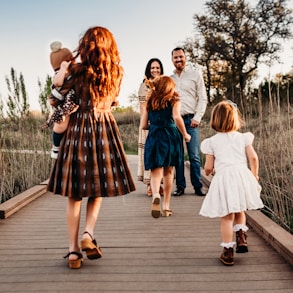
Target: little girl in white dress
{"x": 234, "y": 187}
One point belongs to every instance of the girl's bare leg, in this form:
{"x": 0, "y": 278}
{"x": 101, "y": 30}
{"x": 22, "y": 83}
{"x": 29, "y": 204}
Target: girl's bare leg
{"x": 156, "y": 177}
{"x": 62, "y": 126}
{"x": 227, "y": 228}
{"x": 168, "y": 184}
{"x": 240, "y": 219}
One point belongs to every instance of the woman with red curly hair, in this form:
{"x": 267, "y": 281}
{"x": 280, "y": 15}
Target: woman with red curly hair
{"x": 91, "y": 161}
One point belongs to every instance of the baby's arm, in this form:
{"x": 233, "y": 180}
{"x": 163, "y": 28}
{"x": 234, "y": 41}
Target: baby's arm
{"x": 62, "y": 126}
{"x": 209, "y": 164}
{"x": 253, "y": 160}
{"x": 59, "y": 77}
{"x": 179, "y": 121}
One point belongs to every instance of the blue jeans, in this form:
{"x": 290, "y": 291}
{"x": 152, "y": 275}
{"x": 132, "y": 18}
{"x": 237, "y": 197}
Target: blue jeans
{"x": 193, "y": 155}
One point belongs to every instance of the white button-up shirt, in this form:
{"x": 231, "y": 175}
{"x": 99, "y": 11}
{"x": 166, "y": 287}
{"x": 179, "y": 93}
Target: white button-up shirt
{"x": 192, "y": 91}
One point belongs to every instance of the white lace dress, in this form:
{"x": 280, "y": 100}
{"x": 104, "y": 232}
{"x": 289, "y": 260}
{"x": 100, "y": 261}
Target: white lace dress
{"x": 233, "y": 187}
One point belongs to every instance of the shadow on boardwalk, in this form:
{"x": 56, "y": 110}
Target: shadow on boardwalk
{"x": 140, "y": 254}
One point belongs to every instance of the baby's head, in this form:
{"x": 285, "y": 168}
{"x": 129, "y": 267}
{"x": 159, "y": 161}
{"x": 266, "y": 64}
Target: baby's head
{"x": 226, "y": 117}
{"x": 59, "y": 54}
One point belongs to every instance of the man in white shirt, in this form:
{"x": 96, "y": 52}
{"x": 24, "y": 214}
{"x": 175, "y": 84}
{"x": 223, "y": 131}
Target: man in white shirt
{"x": 191, "y": 88}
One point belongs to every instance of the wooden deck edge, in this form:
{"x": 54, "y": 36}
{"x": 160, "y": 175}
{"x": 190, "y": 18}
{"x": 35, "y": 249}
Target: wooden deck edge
{"x": 276, "y": 236}
{"x": 280, "y": 239}
{"x": 14, "y": 204}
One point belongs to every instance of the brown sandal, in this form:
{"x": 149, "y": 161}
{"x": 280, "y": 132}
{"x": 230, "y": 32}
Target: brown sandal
{"x": 74, "y": 263}
{"x": 149, "y": 191}
{"x": 156, "y": 205}
{"x": 91, "y": 248}
{"x": 161, "y": 191}
{"x": 167, "y": 213}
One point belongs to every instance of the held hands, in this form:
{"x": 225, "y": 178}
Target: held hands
{"x": 187, "y": 137}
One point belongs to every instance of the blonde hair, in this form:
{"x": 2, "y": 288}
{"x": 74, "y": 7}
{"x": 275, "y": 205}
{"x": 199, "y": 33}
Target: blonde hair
{"x": 226, "y": 117}
{"x": 162, "y": 92}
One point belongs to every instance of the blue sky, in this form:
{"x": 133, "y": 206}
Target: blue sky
{"x": 143, "y": 29}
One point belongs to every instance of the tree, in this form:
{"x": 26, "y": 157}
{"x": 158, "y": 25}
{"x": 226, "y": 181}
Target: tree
{"x": 17, "y": 104}
{"x": 134, "y": 101}
{"x": 239, "y": 36}
{"x": 44, "y": 93}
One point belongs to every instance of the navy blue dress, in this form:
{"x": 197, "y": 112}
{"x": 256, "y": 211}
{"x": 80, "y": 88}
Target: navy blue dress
{"x": 162, "y": 147}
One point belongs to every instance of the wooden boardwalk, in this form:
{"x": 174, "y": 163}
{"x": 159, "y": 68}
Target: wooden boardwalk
{"x": 140, "y": 254}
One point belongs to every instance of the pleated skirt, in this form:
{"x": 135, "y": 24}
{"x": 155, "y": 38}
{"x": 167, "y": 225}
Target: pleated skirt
{"x": 91, "y": 161}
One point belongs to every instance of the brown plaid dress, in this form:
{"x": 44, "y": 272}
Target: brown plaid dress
{"x": 91, "y": 161}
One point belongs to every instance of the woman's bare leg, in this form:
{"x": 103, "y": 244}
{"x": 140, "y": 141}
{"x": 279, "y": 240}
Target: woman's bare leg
{"x": 73, "y": 220}
{"x": 92, "y": 213}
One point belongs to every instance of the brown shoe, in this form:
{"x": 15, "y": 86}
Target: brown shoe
{"x": 93, "y": 251}
{"x": 227, "y": 257}
{"x": 156, "y": 205}
{"x": 166, "y": 213}
{"x": 74, "y": 263}
{"x": 241, "y": 242}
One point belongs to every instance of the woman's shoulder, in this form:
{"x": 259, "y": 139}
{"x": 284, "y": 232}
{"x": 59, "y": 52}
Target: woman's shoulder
{"x": 142, "y": 90}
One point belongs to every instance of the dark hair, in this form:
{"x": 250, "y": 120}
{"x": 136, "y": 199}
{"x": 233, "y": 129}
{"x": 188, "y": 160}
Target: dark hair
{"x": 147, "y": 72}
{"x": 177, "y": 49}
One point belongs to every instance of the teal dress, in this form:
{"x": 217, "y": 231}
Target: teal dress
{"x": 162, "y": 147}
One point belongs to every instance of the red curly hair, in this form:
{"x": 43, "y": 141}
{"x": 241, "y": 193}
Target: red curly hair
{"x": 162, "y": 92}
{"x": 98, "y": 74}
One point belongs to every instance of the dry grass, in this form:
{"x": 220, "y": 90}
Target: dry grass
{"x": 24, "y": 158}
{"x": 275, "y": 149}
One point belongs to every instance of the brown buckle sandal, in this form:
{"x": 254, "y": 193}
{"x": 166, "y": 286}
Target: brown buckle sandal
{"x": 74, "y": 263}
{"x": 93, "y": 251}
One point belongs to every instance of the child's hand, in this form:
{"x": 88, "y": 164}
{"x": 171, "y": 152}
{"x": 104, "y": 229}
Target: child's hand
{"x": 64, "y": 65}
{"x": 187, "y": 137}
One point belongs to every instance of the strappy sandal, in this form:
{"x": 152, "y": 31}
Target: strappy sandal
{"x": 74, "y": 263}
{"x": 149, "y": 191}
{"x": 156, "y": 205}
{"x": 167, "y": 213}
{"x": 161, "y": 191}
{"x": 93, "y": 251}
